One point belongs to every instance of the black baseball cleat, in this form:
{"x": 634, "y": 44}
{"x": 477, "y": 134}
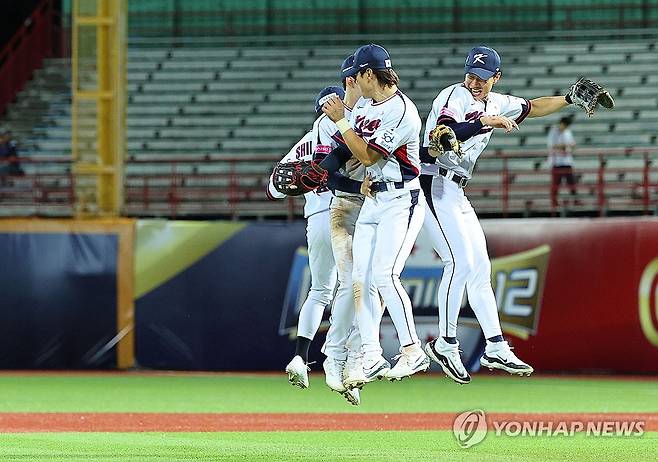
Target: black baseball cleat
{"x": 447, "y": 356}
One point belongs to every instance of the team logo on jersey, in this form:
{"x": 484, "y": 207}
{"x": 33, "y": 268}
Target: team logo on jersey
{"x": 388, "y": 140}
{"x": 478, "y": 58}
{"x": 366, "y": 128}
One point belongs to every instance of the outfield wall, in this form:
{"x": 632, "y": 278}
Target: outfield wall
{"x": 67, "y": 294}
{"x": 573, "y": 294}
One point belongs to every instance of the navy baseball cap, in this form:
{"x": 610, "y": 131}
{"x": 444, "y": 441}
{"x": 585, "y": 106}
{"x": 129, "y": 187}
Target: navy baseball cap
{"x": 326, "y": 94}
{"x": 372, "y": 56}
{"x": 347, "y": 69}
{"x": 483, "y": 62}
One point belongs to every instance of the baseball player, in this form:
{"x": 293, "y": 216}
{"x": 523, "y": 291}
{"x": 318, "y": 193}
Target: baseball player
{"x": 459, "y": 126}
{"x": 315, "y": 144}
{"x": 343, "y": 342}
{"x": 383, "y": 135}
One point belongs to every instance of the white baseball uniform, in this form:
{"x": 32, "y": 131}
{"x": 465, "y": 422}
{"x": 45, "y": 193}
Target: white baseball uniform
{"x": 343, "y": 334}
{"x": 316, "y": 212}
{"x": 387, "y": 224}
{"x": 452, "y": 225}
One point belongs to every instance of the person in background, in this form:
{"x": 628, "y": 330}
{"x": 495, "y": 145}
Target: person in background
{"x": 9, "y": 164}
{"x": 561, "y": 144}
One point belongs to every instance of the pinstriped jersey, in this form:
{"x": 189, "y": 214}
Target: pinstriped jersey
{"x": 456, "y": 104}
{"x": 392, "y": 128}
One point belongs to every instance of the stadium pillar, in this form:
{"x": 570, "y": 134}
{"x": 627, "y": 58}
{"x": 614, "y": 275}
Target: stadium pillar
{"x": 98, "y": 112}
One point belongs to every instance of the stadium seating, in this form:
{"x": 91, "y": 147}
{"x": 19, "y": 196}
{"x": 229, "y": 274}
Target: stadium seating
{"x": 199, "y": 101}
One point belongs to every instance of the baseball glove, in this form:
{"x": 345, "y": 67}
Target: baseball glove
{"x": 587, "y": 94}
{"x": 442, "y": 139}
{"x": 297, "y": 178}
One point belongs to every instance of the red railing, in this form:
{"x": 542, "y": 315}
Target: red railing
{"x": 25, "y": 52}
{"x": 47, "y": 189}
{"x": 234, "y": 186}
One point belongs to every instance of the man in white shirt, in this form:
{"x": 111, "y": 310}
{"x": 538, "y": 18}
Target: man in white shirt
{"x": 561, "y": 144}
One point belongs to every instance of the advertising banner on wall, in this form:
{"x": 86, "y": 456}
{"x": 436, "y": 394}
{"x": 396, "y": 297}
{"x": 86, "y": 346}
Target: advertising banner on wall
{"x": 572, "y": 294}
{"x": 563, "y": 287}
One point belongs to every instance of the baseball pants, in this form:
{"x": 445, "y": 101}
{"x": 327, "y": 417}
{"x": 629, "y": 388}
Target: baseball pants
{"x": 343, "y": 334}
{"x": 384, "y": 236}
{"x": 323, "y": 274}
{"x": 457, "y": 236}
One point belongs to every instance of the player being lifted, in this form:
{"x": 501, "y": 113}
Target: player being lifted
{"x": 471, "y": 111}
{"x": 383, "y": 134}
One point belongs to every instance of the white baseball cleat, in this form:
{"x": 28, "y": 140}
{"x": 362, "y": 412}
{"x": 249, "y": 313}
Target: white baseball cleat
{"x": 412, "y": 359}
{"x": 352, "y": 396}
{"x": 498, "y": 355}
{"x": 447, "y": 356}
{"x": 297, "y": 371}
{"x": 353, "y": 371}
{"x": 374, "y": 368}
{"x": 333, "y": 370}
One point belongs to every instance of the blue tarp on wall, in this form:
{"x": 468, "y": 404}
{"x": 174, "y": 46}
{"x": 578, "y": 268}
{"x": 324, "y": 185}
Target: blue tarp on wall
{"x": 223, "y": 312}
{"x": 58, "y": 300}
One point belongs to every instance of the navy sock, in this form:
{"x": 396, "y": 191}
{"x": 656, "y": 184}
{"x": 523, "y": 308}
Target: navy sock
{"x": 450, "y": 340}
{"x": 301, "y": 348}
{"x": 496, "y": 338}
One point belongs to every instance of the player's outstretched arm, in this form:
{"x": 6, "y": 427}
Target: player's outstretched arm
{"x": 546, "y": 105}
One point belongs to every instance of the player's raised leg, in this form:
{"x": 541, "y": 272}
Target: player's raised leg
{"x": 497, "y": 354}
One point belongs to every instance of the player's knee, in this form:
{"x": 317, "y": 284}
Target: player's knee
{"x": 322, "y": 296}
{"x": 382, "y": 280}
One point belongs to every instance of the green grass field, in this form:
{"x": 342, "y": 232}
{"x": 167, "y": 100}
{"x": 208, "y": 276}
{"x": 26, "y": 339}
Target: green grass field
{"x": 271, "y": 393}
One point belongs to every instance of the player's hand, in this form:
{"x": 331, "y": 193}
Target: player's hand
{"x": 500, "y": 121}
{"x": 334, "y": 109}
{"x": 365, "y": 187}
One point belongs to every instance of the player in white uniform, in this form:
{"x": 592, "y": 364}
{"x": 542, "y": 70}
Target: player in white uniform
{"x": 315, "y": 145}
{"x": 343, "y": 343}
{"x": 320, "y": 255}
{"x": 473, "y": 111}
{"x": 383, "y": 134}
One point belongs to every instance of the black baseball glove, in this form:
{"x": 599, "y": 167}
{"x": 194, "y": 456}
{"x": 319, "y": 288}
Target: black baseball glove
{"x": 587, "y": 94}
{"x": 297, "y": 178}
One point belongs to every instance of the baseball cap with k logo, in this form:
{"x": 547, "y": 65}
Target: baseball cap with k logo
{"x": 483, "y": 62}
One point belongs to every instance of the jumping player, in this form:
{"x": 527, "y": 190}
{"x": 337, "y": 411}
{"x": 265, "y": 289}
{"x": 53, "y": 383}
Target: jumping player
{"x": 472, "y": 110}
{"x": 321, "y": 262}
{"x": 320, "y": 255}
{"x": 343, "y": 343}
{"x": 383, "y": 135}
